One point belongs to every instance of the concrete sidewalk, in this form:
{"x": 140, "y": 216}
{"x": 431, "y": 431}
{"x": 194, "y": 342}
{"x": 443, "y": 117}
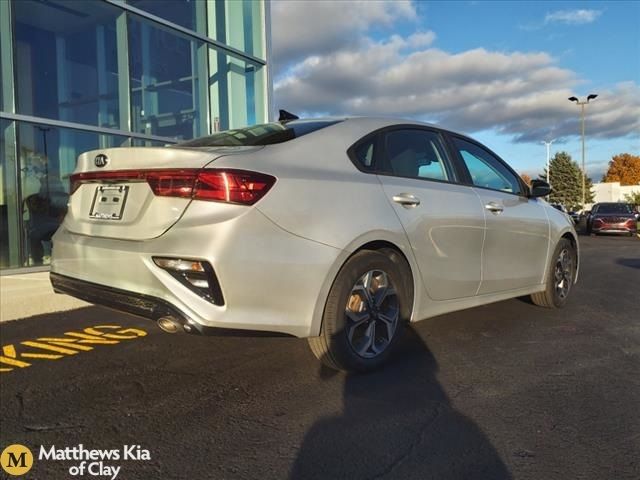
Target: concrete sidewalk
{"x": 26, "y": 295}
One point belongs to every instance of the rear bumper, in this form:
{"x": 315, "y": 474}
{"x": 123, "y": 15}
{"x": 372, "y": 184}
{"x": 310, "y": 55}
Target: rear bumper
{"x": 138, "y": 304}
{"x": 271, "y": 280}
{"x": 144, "y": 306}
{"x": 613, "y": 229}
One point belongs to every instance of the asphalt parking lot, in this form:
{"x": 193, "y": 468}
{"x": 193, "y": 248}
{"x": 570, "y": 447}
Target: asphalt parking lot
{"x": 503, "y": 391}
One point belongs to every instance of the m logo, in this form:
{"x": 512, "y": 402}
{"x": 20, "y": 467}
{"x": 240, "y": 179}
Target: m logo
{"x": 16, "y": 459}
{"x": 101, "y": 160}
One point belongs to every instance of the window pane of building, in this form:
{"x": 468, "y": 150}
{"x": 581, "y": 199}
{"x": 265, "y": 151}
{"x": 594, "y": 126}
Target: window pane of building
{"x": 181, "y": 12}
{"x": 6, "y": 58}
{"x": 239, "y": 24}
{"x": 66, "y": 61}
{"x": 95, "y": 63}
{"x": 165, "y": 69}
{"x": 47, "y": 157}
{"x": 236, "y": 92}
{"x": 9, "y": 223}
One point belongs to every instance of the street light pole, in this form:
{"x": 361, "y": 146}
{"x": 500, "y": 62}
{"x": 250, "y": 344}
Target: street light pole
{"x": 548, "y": 144}
{"x": 591, "y": 96}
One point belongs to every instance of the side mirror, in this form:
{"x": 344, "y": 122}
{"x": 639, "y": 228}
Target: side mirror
{"x": 539, "y": 188}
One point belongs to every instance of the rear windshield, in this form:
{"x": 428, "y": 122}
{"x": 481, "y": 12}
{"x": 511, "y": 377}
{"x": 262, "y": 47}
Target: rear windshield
{"x": 614, "y": 208}
{"x": 264, "y": 134}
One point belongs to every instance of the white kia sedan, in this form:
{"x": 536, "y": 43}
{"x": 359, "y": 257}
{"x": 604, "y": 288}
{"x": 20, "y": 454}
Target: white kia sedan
{"x": 341, "y": 230}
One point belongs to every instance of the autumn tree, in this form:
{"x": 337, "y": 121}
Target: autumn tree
{"x": 526, "y": 178}
{"x": 623, "y": 168}
{"x": 566, "y": 182}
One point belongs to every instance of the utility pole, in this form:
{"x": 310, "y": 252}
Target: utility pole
{"x": 591, "y": 96}
{"x": 548, "y": 144}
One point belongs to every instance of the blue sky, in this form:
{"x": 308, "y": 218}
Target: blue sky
{"x": 499, "y": 71}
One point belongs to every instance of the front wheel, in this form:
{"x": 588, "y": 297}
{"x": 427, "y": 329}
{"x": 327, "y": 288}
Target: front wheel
{"x": 560, "y": 278}
{"x": 365, "y": 313}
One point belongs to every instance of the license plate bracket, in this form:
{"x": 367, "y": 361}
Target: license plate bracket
{"x": 108, "y": 202}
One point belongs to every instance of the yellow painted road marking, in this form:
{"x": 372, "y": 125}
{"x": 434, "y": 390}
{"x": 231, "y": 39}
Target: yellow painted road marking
{"x": 48, "y": 356}
{"x": 65, "y": 342}
{"x": 8, "y": 358}
{"x": 15, "y": 363}
{"x": 68, "y": 344}
{"x": 45, "y": 346}
{"x": 91, "y": 338}
{"x": 137, "y": 333}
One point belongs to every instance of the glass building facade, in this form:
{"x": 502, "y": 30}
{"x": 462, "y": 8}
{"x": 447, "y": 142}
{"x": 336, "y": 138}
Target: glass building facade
{"x": 80, "y": 75}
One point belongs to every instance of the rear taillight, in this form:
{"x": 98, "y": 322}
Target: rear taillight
{"x": 217, "y": 185}
{"x": 167, "y": 183}
{"x": 232, "y": 186}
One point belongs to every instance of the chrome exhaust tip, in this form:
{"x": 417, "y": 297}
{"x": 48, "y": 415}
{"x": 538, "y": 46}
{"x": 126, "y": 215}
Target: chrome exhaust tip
{"x": 169, "y": 324}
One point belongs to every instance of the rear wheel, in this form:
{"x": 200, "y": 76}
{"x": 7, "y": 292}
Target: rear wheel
{"x": 365, "y": 313}
{"x": 561, "y": 277}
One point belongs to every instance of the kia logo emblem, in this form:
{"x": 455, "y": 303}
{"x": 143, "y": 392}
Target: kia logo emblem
{"x": 101, "y": 160}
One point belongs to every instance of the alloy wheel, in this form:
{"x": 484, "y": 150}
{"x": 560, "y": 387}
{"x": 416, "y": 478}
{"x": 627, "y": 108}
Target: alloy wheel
{"x": 372, "y": 313}
{"x": 563, "y": 273}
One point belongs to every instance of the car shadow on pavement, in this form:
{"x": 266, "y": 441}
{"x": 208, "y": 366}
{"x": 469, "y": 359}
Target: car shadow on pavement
{"x": 398, "y": 423}
{"x": 629, "y": 262}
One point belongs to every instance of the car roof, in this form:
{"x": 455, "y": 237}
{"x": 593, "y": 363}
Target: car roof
{"x": 375, "y": 123}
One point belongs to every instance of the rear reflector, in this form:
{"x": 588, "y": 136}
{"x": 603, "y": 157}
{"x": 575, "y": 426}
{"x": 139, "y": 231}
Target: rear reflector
{"x": 217, "y": 185}
{"x": 197, "y": 275}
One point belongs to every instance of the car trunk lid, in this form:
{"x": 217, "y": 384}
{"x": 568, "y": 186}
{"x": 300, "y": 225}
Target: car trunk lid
{"x": 120, "y": 192}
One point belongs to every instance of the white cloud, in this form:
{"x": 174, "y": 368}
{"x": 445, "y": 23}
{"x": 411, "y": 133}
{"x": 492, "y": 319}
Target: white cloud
{"x": 421, "y": 39}
{"x": 573, "y": 17}
{"x": 302, "y": 28}
{"x": 338, "y": 69}
{"x": 520, "y": 94}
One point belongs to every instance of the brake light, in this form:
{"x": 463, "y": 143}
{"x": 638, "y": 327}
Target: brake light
{"x": 218, "y": 185}
{"x": 232, "y": 186}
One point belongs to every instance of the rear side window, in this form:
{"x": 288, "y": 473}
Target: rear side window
{"x": 263, "y": 134}
{"x": 414, "y": 153}
{"x": 485, "y": 169}
{"x": 363, "y": 153}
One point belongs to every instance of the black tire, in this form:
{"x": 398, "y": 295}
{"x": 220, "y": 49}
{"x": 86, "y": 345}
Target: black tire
{"x": 342, "y": 341}
{"x": 559, "y": 284}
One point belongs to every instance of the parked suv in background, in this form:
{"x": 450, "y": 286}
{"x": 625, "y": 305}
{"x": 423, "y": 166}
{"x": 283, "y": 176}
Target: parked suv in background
{"x": 612, "y": 218}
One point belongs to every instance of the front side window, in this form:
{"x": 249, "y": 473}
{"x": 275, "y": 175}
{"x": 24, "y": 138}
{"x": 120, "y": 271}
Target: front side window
{"x": 485, "y": 169}
{"x": 415, "y": 154}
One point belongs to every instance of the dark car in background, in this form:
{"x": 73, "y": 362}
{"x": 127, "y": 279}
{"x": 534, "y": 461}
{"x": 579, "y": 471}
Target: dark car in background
{"x": 612, "y": 218}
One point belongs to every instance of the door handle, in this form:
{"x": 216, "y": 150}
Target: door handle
{"x": 494, "y": 207}
{"x": 407, "y": 200}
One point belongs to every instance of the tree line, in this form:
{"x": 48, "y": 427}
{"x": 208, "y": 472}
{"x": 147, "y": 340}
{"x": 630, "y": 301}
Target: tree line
{"x": 566, "y": 179}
